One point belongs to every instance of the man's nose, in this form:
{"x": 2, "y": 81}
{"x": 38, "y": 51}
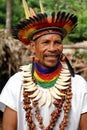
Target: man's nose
{"x": 52, "y": 46}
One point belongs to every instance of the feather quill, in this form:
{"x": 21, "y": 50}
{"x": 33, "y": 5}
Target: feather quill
{"x": 53, "y": 17}
{"x": 32, "y": 13}
{"x": 41, "y": 7}
{"x": 27, "y": 13}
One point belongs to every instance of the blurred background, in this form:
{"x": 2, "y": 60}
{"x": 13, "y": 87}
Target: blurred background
{"x": 13, "y": 53}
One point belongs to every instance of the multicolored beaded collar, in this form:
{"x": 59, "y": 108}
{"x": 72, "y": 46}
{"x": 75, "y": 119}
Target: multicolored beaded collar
{"x": 46, "y": 78}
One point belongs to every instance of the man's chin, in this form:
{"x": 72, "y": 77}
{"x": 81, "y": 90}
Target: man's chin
{"x": 47, "y": 64}
{"x": 51, "y": 65}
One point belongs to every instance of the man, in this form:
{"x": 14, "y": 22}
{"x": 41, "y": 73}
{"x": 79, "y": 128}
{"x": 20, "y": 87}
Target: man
{"x": 45, "y": 95}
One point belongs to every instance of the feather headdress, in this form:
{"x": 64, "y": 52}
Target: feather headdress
{"x": 36, "y": 25}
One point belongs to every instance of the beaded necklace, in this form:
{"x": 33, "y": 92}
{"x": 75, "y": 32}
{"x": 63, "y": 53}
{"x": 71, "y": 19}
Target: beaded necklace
{"x": 61, "y": 92}
{"x": 47, "y": 78}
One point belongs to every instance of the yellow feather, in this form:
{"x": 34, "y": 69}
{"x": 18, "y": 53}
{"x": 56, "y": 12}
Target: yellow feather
{"x": 41, "y": 6}
{"x": 27, "y": 13}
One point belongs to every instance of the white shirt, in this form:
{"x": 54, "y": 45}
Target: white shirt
{"x": 12, "y": 96}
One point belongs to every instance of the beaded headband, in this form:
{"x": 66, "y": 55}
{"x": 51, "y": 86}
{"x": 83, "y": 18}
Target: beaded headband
{"x": 36, "y": 25}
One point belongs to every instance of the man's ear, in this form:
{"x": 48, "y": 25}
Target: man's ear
{"x": 32, "y": 47}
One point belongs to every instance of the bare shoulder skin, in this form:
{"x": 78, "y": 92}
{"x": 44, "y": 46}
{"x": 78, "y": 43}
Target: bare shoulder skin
{"x": 9, "y": 119}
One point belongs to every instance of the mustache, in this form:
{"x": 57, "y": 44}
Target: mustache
{"x": 56, "y": 54}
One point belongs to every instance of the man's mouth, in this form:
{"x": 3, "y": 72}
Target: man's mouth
{"x": 51, "y": 57}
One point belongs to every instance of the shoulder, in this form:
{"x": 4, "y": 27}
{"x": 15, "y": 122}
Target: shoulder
{"x": 13, "y": 85}
{"x": 79, "y": 83}
{"x": 15, "y": 79}
{"x": 78, "y": 78}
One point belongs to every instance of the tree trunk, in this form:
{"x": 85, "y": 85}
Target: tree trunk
{"x": 8, "y": 17}
{"x": 77, "y": 46}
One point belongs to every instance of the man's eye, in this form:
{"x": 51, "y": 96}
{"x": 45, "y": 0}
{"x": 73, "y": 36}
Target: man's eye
{"x": 45, "y": 42}
{"x": 58, "y": 42}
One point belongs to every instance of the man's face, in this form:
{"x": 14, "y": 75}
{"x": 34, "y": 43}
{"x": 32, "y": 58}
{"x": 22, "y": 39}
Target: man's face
{"x": 47, "y": 49}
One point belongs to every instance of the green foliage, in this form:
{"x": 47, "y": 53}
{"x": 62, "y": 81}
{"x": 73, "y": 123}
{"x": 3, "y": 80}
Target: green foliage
{"x": 17, "y": 12}
{"x": 82, "y": 24}
{"x": 2, "y": 13}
